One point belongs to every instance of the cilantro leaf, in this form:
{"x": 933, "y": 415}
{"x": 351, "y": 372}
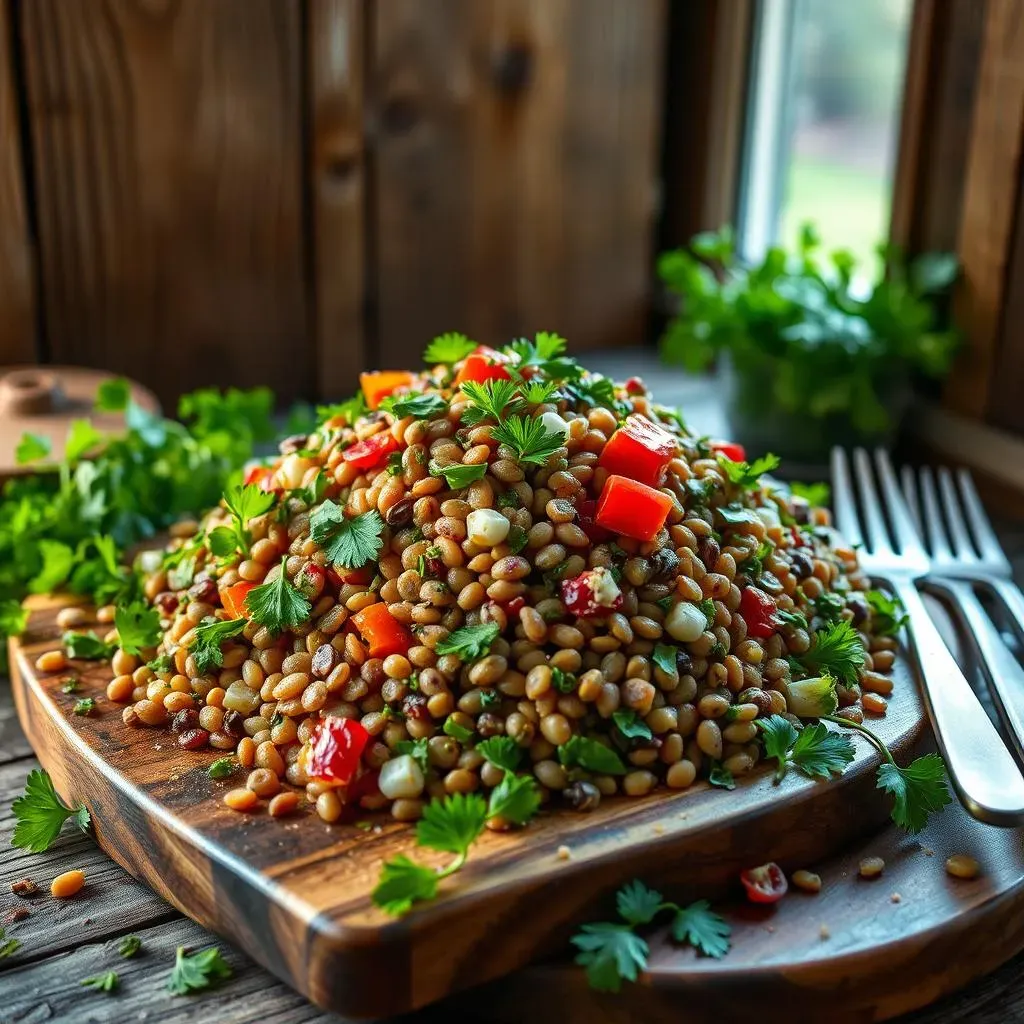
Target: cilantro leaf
{"x": 105, "y": 982}
{"x": 112, "y": 395}
{"x": 778, "y": 735}
{"x": 85, "y": 706}
{"x": 245, "y": 503}
{"x": 197, "y": 971}
{"x": 137, "y": 627}
{"x": 492, "y": 398}
{"x": 917, "y": 790}
{"x": 837, "y": 649}
{"x": 222, "y": 768}
{"x": 278, "y": 605}
{"x": 591, "y": 755}
{"x": 130, "y": 945}
{"x": 456, "y": 731}
{"x": 350, "y": 543}
{"x": 161, "y": 663}
{"x": 222, "y": 541}
{"x": 452, "y": 824}
{"x": 829, "y": 606}
{"x": 517, "y": 539}
{"x": 631, "y": 725}
{"x": 530, "y": 439}
{"x": 565, "y": 682}
{"x": 82, "y": 436}
{"x": 402, "y": 883}
{"x": 610, "y": 953}
{"x": 637, "y": 904}
{"x": 707, "y": 606}
{"x": 698, "y": 926}
{"x": 795, "y": 619}
{"x": 747, "y": 474}
{"x": 736, "y": 514}
{"x": 887, "y": 615}
{"x": 423, "y": 407}
{"x": 469, "y": 642}
{"x": 664, "y": 656}
{"x": 820, "y": 752}
{"x": 31, "y": 448}
{"x": 595, "y": 390}
{"x": 448, "y": 348}
{"x": 87, "y": 646}
{"x": 206, "y": 649}
{"x": 502, "y": 752}
{"x": 516, "y": 798}
{"x": 40, "y": 814}
{"x": 818, "y": 494}
{"x": 459, "y": 474}
{"x": 721, "y": 776}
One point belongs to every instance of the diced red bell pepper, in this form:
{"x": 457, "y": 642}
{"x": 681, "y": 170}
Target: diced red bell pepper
{"x": 586, "y": 511}
{"x": 635, "y": 386}
{"x": 632, "y": 509}
{"x": 383, "y": 633}
{"x": 371, "y": 452}
{"x": 765, "y": 884}
{"x": 730, "y": 449}
{"x": 592, "y": 594}
{"x": 640, "y": 450}
{"x": 336, "y": 748}
{"x": 481, "y": 365}
{"x": 262, "y": 477}
{"x": 760, "y": 613}
{"x": 380, "y": 383}
{"x": 232, "y": 599}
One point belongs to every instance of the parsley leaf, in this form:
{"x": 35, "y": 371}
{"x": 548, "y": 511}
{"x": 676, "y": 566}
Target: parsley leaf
{"x": 196, "y": 971}
{"x": 8, "y": 947}
{"x": 82, "y": 436}
{"x": 918, "y": 790}
{"x": 490, "y": 399}
{"x": 597, "y": 391}
{"x": 637, "y": 904}
{"x": 456, "y": 731}
{"x": 452, "y": 824}
{"x": 778, "y": 735}
{"x": 530, "y": 439}
{"x": 517, "y": 539}
{"x": 85, "y": 706}
{"x": 112, "y": 395}
{"x": 459, "y": 474}
{"x": 347, "y": 542}
{"x": 815, "y": 750}
{"x": 591, "y": 755}
{"x": 137, "y": 627}
{"x": 887, "y": 615}
{"x": 610, "y": 953}
{"x": 206, "y": 650}
{"x": 403, "y": 882}
{"x": 106, "y": 982}
{"x": 829, "y": 606}
{"x": 707, "y": 606}
{"x": 631, "y": 725}
{"x": 161, "y": 663}
{"x": 502, "y": 752}
{"x": 837, "y": 649}
{"x": 87, "y": 646}
{"x": 222, "y": 768}
{"x": 423, "y": 407}
{"x": 348, "y": 411}
{"x": 71, "y": 686}
{"x": 418, "y": 750}
{"x": 245, "y": 503}
{"x": 278, "y": 605}
{"x": 795, "y": 619}
{"x": 516, "y": 798}
{"x": 721, "y": 776}
{"x": 664, "y": 656}
{"x": 31, "y": 448}
{"x": 747, "y": 474}
{"x": 510, "y": 499}
{"x": 565, "y": 682}
{"x": 130, "y": 945}
{"x": 40, "y": 814}
{"x": 448, "y": 348}
{"x": 703, "y": 929}
{"x": 469, "y": 642}
{"x": 818, "y": 494}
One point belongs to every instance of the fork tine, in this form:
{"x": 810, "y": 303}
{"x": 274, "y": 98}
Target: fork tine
{"x": 938, "y": 544}
{"x": 961, "y": 539}
{"x": 902, "y": 525}
{"x": 847, "y": 520}
{"x": 984, "y": 535}
{"x": 874, "y": 522}
{"x": 909, "y": 485}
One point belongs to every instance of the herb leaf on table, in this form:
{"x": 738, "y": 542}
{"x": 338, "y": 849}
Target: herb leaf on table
{"x": 40, "y": 814}
{"x": 195, "y": 971}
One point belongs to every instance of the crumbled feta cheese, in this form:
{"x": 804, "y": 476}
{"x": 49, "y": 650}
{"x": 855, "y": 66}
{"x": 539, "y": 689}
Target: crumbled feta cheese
{"x": 605, "y": 590}
{"x": 554, "y": 423}
{"x": 401, "y": 778}
{"x": 686, "y": 622}
{"x": 485, "y": 527}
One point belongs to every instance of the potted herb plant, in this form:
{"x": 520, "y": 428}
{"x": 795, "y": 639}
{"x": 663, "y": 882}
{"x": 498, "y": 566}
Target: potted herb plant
{"x": 815, "y": 352}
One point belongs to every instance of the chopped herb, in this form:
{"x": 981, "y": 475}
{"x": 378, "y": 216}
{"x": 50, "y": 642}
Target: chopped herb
{"x": 350, "y": 543}
{"x": 70, "y": 686}
{"x": 501, "y": 751}
{"x": 85, "y": 706}
{"x": 423, "y": 407}
{"x": 492, "y": 399}
{"x": 510, "y": 499}
{"x": 40, "y": 814}
{"x": 395, "y": 464}
{"x": 517, "y": 539}
{"x": 837, "y": 650}
{"x": 530, "y": 439}
{"x": 747, "y": 474}
{"x": 721, "y": 776}
{"x": 130, "y": 945}
{"x": 700, "y": 490}
{"x": 196, "y": 971}
{"x": 137, "y": 626}
{"x": 469, "y": 642}
{"x": 736, "y": 515}
{"x": 160, "y": 664}
{"x": 314, "y": 493}
{"x": 631, "y": 725}
{"x": 278, "y": 605}
{"x": 460, "y": 474}
{"x": 348, "y": 411}
{"x": 448, "y": 348}
{"x": 537, "y": 392}
{"x": 489, "y": 699}
{"x": 665, "y": 603}
{"x": 418, "y": 750}
{"x": 598, "y": 391}
{"x": 246, "y": 502}
{"x": 456, "y": 731}
{"x": 664, "y": 656}
{"x": 818, "y": 494}
{"x": 31, "y": 448}
{"x": 105, "y": 982}
{"x": 707, "y": 606}
{"x": 814, "y": 750}
{"x": 206, "y": 649}
{"x": 8, "y": 947}
{"x": 887, "y": 615}
{"x": 795, "y": 619}
{"x": 516, "y": 798}
{"x": 87, "y": 646}
{"x": 591, "y": 755}
{"x": 565, "y": 682}
{"x": 829, "y": 606}
{"x": 222, "y": 768}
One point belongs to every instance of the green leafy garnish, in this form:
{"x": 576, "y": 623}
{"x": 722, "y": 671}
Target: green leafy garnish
{"x": 501, "y": 751}
{"x": 818, "y": 495}
{"x": 82, "y": 436}
{"x": 222, "y": 768}
{"x": 707, "y": 606}
{"x": 31, "y": 448}
{"x": 138, "y": 627}
{"x": 85, "y": 706}
{"x": 71, "y": 686}
{"x": 829, "y": 606}
{"x": 516, "y": 798}
{"x": 530, "y": 439}
{"x": 206, "y": 649}
{"x": 448, "y": 348}
{"x": 40, "y": 814}
{"x": 423, "y": 407}
{"x": 490, "y": 399}
{"x": 196, "y": 971}
{"x": 795, "y": 619}
{"x": 598, "y": 392}
{"x": 350, "y": 543}
{"x": 631, "y": 725}
{"x": 130, "y": 946}
{"x": 469, "y": 642}
{"x": 664, "y": 656}
{"x": 815, "y": 750}
{"x": 591, "y": 755}
{"x": 244, "y": 503}
{"x": 348, "y": 411}
{"x": 517, "y": 539}
{"x": 510, "y": 499}
{"x": 87, "y": 646}
{"x": 698, "y": 926}
{"x": 837, "y": 650}
{"x": 887, "y": 615}
{"x": 112, "y": 395}
{"x": 8, "y": 947}
{"x": 105, "y": 982}
{"x": 278, "y": 605}
{"x": 564, "y": 682}
{"x": 611, "y": 953}
{"x": 720, "y": 776}
{"x": 748, "y": 474}
{"x": 160, "y": 664}
{"x": 456, "y": 731}
{"x": 459, "y": 474}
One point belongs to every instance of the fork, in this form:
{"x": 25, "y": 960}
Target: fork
{"x": 955, "y": 567}
{"x": 981, "y": 768}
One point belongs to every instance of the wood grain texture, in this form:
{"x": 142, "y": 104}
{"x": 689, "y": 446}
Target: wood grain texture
{"x": 515, "y": 150}
{"x": 17, "y": 300}
{"x": 295, "y": 894}
{"x": 989, "y": 205}
{"x": 168, "y": 166}
{"x": 338, "y": 179}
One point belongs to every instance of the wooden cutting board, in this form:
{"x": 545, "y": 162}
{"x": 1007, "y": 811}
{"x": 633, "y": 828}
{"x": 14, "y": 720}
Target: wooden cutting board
{"x": 294, "y": 893}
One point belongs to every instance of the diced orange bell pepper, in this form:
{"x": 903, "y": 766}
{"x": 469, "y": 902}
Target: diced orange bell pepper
{"x": 632, "y": 509}
{"x": 380, "y": 383}
{"x": 383, "y": 633}
{"x": 640, "y": 450}
{"x": 482, "y": 365}
{"x": 233, "y": 599}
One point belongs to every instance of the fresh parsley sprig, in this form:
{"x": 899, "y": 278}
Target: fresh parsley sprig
{"x": 529, "y": 438}
{"x": 277, "y": 604}
{"x": 448, "y": 348}
{"x": 747, "y": 475}
{"x": 206, "y": 648}
{"x": 40, "y": 814}
{"x": 612, "y": 952}
{"x": 590, "y": 755}
{"x": 195, "y": 971}
{"x": 836, "y": 650}
{"x": 350, "y": 543}
{"x": 138, "y": 627}
{"x": 460, "y": 474}
{"x": 244, "y": 503}
{"x": 423, "y": 407}
{"x": 887, "y": 614}
{"x": 87, "y": 646}
{"x": 814, "y": 750}
{"x": 490, "y": 399}
{"x": 469, "y": 642}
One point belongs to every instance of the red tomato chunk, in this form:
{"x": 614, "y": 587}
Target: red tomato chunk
{"x": 730, "y": 449}
{"x": 765, "y": 884}
{"x": 632, "y": 509}
{"x": 336, "y": 748}
{"x": 640, "y": 450}
{"x": 383, "y": 633}
{"x": 371, "y": 452}
{"x": 482, "y": 365}
{"x": 592, "y": 594}
{"x": 760, "y": 612}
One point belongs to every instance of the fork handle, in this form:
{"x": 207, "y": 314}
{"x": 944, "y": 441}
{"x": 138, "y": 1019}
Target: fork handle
{"x": 1012, "y": 599}
{"x": 1003, "y": 671}
{"x": 981, "y": 769}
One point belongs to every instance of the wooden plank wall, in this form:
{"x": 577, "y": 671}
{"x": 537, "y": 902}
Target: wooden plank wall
{"x": 283, "y": 191}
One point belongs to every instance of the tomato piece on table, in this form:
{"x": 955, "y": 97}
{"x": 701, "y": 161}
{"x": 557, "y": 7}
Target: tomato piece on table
{"x": 335, "y": 749}
{"x": 640, "y": 450}
{"x": 759, "y": 612}
{"x": 378, "y": 384}
{"x": 481, "y": 365}
{"x": 632, "y": 509}
{"x": 765, "y": 884}
{"x": 730, "y": 449}
{"x": 383, "y": 633}
{"x": 233, "y": 599}
{"x": 371, "y": 452}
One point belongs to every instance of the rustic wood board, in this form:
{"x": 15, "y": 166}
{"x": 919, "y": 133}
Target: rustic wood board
{"x": 295, "y": 895}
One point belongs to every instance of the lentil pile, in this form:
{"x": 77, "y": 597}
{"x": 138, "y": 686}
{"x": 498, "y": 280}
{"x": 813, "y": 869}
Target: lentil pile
{"x": 503, "y": 545}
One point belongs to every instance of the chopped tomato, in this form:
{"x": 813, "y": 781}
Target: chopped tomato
{"x": 371, "y": 452}
{"x": 765, "y": 884}
{"x": 336, "y": 748}
{"x": 233, "y": 599}
{"x": 482, "y": 365}
{"x": 262, "y": 477}
{"x": 515, "y": 606}
{"x": 635, "y": 386}
{"x": 640, "y": 450}
{"x": 383, "y": 633}
{"x": 759, "y": 612}
{"x": 594, "y": 593}
{"x": 586, "y": 511}
{"x": 632, "y": 509}
{"x": 380, "y": 383}
{"x": 730, "y": 449}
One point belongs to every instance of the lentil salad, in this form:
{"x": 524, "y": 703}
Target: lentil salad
{"x": 501, "y": 564}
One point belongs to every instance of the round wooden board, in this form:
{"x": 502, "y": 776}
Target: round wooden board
{"x": 299, "y": 904}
